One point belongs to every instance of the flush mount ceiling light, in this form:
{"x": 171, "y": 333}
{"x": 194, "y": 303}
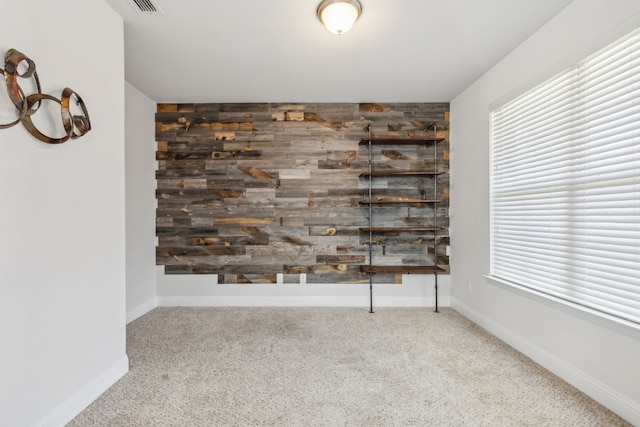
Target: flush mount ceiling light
{"x": 339, "y": 15}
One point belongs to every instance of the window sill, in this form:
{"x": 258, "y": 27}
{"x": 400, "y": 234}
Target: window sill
{"x": 602, "y": 319}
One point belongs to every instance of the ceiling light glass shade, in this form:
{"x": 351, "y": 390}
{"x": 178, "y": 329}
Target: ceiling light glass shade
{"x": 339, "y": 15}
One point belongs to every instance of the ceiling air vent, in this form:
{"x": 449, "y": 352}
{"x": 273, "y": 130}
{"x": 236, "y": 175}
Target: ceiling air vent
{"x": 146, "y": 7}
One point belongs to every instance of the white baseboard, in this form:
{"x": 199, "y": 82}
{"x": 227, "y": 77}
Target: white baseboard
{"x": 261, "y": 301}
{"x": 69, "y": 409}
{"x": 605, "y": 395}
{"x": 295, "y": 301}
{"x": 141, "y": 309}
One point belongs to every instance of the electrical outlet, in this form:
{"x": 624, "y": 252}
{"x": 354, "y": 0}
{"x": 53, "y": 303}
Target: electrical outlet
{"x": 303, "y": 278}
{"x": 279, "y": 278}
{"x": 448, "y": 250}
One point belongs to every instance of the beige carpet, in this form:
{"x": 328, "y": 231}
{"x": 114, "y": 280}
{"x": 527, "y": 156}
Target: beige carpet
{"x": 331, "y": 367}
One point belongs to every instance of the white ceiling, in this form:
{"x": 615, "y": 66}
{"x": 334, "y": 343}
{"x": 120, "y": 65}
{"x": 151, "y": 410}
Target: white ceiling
{"x": 278, "y": 51}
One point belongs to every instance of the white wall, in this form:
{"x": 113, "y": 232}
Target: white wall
{"x": 417, "y": 290}
{"x": 140, "y": 168}
{"x": 62, "y": 224}
{"x": 596, "y": 356}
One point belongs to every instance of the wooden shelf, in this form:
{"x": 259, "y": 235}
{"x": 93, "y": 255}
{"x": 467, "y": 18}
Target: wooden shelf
{"x": 397, "y": 202}
{"x": 392, "y": 229}
{"x": 400, "y": 141}
{"x": 398, "y": 173}
{"x": 401, "y": 269}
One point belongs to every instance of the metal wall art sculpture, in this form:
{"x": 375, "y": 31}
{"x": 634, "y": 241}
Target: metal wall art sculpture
{"x": 27, "y": 105}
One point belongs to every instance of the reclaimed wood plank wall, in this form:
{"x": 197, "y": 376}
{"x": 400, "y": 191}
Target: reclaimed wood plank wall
{"x": 247, "y": 191}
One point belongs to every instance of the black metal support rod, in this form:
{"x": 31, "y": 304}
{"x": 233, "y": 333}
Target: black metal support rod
{"x": 370, "y": 223}
{"x": 435, "y": 215}
{"x": 435, "y": 276}
{"x": 370, "y": 292}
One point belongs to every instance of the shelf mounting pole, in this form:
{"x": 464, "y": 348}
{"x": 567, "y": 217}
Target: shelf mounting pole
{"x": 368, "y": 130}
{"x": 435, "y": 214}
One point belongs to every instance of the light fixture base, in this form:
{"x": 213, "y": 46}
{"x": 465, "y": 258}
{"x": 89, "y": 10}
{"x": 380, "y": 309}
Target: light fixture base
{"x": 339, "y": 15}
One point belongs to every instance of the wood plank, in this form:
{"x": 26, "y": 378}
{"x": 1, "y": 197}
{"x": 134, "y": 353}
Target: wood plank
{"x": 401, "y": 269}
{"x": 375, "y": 174}
{"x": 400, "y": 229}
{"x": 288, "y": 116}
{"x": 400, "y": 141}
{"x": 161, "y": 108}
{"x": 398, "y": 201}
{"x": 373, "y": 108}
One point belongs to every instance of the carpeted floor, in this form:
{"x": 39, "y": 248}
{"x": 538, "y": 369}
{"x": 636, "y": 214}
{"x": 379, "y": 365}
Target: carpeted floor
{"x": 331, "y": 367}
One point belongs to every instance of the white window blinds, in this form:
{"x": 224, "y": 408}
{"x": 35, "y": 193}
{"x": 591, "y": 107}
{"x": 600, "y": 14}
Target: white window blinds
{"x": 565, "y": 186}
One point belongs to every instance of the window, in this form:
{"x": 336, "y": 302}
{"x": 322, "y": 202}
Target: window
{"x": 565, "y": 185}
